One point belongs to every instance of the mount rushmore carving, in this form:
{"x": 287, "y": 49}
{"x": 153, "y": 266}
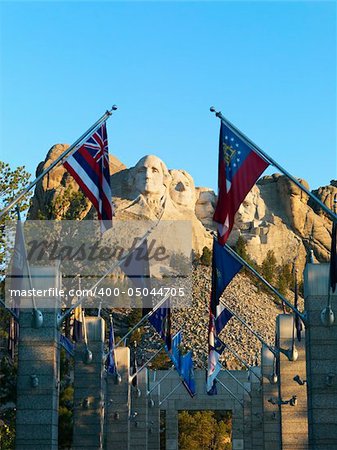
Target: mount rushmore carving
{"x": 274, "y": 216}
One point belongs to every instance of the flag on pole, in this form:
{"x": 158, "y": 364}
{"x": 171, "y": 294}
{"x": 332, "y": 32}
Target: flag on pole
{"x": 19, "y": 272}
{"x": 13, "y": 336}
{"x": 187, "y": 373}
{"x": 89, "y": 165}
{"x": 333, "y": 258}
{"x": 214, "y": 389}
{"x": 224, "y": 269}
{"x": 161, "y": 321}
{"x": 214, "y": 366}
{"x": 111, "y": 362}
{"x": 78, "y": 324}
{"x": 175, "y": 354}
{"x": 219, "y": 345}
{"x": 298, "y": 321}
{"x": 238, "y": 170}
{"x": 223, "y": 316}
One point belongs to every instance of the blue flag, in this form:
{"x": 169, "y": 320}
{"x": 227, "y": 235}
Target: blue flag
{"x": 219, "y": 345}
{"x": 213, "y": 390}
{"x": 175, "y": 354}
{"x": 224, "y": 268}
{"x": 222, "y": 318}
{"x": 187, "y": 373}
{"x": 78, "y": 324}
{"x": 111, "y": 364}
{"x": 161, "y": 321}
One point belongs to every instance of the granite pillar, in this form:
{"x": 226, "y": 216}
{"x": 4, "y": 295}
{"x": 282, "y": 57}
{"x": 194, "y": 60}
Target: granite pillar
{"x": 88, "y": 389}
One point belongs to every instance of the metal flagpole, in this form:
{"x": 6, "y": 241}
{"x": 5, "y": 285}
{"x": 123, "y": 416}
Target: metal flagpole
{"x": 235, "y": 379}
{"x": 69, "y": 150}
{"x": 230, "y": 392}
{"x": 242, "y": 361}
{"x": 260, "y": 277}
{"x": 271, "y": 161}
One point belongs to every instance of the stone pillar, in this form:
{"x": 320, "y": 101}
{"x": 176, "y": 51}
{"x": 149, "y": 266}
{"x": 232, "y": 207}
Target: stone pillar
{"x": 88, "y": 389}
{"x": 321, "y": 351}
{"x": 237, "y": 425}
{"x": 154, "y": 424}
{"x": 139, "y": 406}
{"x": 38, "y": 370}
{"x": 153, "y": 414}
{"x": 256, "y": 410}
{"x": 294, "y": 422}
{"x": 247, "y": 413}
{"x": 172, "y": 429}
{"x": 118, "y": 404}
{"x": 271, "y": 413}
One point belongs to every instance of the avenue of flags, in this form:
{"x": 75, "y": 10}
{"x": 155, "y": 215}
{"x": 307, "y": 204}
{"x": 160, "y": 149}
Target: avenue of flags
{"x": 239, "y": 167}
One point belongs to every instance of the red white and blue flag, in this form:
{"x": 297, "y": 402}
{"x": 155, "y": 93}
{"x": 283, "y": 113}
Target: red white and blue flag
{"x": 214, "y": 365}
{"x": 239, "y": 169}
{"x": 89, "y": 165}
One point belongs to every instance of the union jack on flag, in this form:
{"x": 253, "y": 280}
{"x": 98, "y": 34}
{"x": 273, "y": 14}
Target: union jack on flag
{"x": 89, "y": 165}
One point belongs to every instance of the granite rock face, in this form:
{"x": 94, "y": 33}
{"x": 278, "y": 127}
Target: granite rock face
{"x": 276, "y": 215}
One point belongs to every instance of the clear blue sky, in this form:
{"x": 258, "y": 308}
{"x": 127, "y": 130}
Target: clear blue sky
{"x": 269, "y": 66}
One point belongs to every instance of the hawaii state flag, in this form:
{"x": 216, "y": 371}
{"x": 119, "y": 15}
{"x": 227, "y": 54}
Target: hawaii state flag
{"x": 89, "y": 165}
{"x": 239, "y": 168}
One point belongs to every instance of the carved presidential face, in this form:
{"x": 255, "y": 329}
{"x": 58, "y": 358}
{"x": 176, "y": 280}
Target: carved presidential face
{"x": 150, "y": 176}
{"x": 182, "y": 190}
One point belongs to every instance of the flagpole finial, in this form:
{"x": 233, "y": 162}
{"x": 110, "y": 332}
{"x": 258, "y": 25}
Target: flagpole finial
{"x": 113, "y": 108}
{"x": 217, "y": 113}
